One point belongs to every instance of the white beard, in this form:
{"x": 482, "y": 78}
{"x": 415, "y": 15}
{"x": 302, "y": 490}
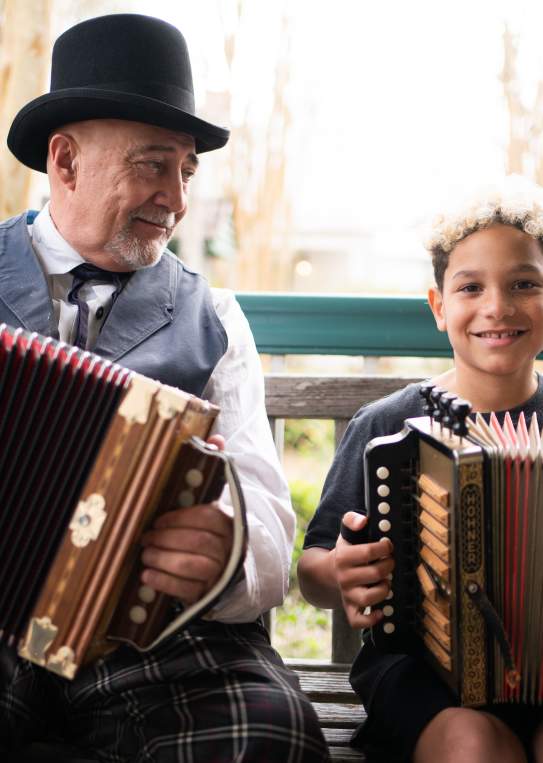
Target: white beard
{"x": 130, "y": 251}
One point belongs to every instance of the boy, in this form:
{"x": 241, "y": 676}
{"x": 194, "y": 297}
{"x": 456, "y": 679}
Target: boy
{"x": 488, "y": 297}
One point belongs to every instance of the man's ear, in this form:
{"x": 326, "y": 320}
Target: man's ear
{"x": 62, "y": 159}
{"x": 435, "y": 300}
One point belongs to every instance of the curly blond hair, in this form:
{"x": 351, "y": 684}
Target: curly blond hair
{"x": 515, "y": 201}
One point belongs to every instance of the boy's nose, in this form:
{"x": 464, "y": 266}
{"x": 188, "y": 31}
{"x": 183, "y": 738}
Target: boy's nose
{"x": 499, "y": 305}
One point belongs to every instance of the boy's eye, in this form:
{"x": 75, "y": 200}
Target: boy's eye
{"x": 524, "y": 285}
{"x": 470, "y": 288}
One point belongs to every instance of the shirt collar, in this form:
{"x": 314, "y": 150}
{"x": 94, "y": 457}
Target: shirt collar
{"x": 55, "y": 254}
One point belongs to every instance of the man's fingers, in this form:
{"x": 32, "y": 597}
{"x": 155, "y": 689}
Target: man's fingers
{"x": 217, "y": 440}
{"x": 185, "y": 566}
{"x": 188, "y": 541}
{"x": 187, "y": 591}
{"x": 208, "y": 517}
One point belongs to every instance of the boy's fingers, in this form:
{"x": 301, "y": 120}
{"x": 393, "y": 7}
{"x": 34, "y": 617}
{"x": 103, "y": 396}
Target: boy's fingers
{"x": 354, "y": 521}
{"x": 354, "y": 528}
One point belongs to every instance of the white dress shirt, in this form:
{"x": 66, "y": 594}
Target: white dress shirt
{"x": 236, "y": 386}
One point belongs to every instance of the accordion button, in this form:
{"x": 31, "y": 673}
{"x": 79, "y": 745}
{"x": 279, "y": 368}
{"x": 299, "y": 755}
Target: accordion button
{"x": 389, "y": 595}
{"x": 388, "y": 611}
{"x": 186, "y": 498}
{"x": 146, "y": 594}
{"x": 194, "y": 477}
{"x": 389, "y": 628}
{"x": 383, "y": 507}
{"x": 384, "y": 525}
{"x": 383, "y": 491}
{"x": 138, "y": 614}
{"x": 382, "y": 472}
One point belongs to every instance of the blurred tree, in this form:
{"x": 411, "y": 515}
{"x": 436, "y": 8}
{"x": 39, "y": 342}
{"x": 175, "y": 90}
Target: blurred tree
{"x": 524, "y": 147}
{"x": 256, "y": 177}
{"x": 24, "y": 67}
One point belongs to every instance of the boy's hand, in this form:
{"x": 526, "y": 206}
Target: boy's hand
{"x": 361, "y": 573}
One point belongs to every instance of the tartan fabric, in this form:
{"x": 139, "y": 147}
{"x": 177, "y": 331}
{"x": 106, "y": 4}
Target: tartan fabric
{"x": 212, "y": 693}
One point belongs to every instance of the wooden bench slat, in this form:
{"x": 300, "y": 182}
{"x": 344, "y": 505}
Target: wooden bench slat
{"x": 338, "y": 737}
{"x": 339, "y": 715}
{"x": 325, "y": 397}
{"x": 326, "y": 686}
{"x": 346, "y": 755}
{"x": 296, "y": 663}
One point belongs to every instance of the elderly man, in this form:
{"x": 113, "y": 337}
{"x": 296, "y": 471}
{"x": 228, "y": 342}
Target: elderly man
{"x": 119, "y": 139}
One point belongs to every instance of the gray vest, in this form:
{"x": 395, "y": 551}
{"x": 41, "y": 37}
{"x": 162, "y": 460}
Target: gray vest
{"x": 163, "y": 323}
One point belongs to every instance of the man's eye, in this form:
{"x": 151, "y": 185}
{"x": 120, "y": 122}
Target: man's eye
{"x": 470, "y": 288}
{"x": 149, "y": 164}
{"x": 187, "y": 175}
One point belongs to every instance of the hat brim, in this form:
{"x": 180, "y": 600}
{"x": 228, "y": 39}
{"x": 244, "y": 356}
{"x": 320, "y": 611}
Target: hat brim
{"x": 31, "y": 128}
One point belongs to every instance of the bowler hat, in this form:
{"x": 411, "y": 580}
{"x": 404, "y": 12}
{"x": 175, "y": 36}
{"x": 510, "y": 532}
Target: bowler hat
{"x": 121, "y": 66}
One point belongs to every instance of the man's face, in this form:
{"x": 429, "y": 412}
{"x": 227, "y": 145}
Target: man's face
{"x": 491, "y": 305}
{"x": 131, "y": 189}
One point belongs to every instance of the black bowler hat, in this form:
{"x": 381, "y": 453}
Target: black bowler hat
{"x": 122, "y": 66}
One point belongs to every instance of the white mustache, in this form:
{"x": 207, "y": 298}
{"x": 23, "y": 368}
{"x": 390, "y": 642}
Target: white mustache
{"x": 164, "y": 219}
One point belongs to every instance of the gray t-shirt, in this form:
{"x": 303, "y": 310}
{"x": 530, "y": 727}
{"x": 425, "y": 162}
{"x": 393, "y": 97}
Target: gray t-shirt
{"x": 344, "y": 486}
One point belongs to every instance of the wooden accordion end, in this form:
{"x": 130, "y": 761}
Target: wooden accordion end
{"x": 462, "y": 502}
{"x": 90, "y": 454}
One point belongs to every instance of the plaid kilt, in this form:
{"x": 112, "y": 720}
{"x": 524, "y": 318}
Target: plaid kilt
{"x": 211, "y": 693}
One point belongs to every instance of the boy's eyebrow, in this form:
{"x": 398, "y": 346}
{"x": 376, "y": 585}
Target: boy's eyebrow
{"x": 524, "y": 268}
{"x": 159, "y": 147}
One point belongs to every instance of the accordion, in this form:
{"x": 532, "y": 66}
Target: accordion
{"x": 90, "y": 454}
{"x": 462, "y": 502}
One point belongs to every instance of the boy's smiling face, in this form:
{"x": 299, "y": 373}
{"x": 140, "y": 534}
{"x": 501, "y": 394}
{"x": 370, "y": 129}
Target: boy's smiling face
{"x": 491, "y": 304}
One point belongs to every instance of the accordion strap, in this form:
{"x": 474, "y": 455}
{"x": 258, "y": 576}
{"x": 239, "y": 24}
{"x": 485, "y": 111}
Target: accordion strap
{"x": 495, "y": 625}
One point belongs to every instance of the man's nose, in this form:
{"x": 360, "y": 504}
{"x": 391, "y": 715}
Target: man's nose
{"x": 173, "y": 195}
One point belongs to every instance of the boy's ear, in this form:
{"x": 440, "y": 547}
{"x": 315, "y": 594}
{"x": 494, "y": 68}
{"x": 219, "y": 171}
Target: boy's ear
{"x": 435, "y": 300}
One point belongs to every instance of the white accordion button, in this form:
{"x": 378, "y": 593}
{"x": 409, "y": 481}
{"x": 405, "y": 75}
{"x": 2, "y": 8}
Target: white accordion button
{"x": 388, "y": 611}
{"x": 384, "y": 525}
{"x": 194, "y": 477}
{"x": 186, "y": 498}
{"x": 389, "y": 595}
{"x": 146, "y": 594}
{"x": 138, "y": 614}
{"x": 383, "y": 491}
{"x": 389, "y": 627}
{"x": 382, "y": 472}
{"x": 383, "y": 507}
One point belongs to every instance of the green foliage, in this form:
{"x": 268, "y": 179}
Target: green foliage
{"x": 302, "y": 630}
{"x": 305, "y": 496}
{"x": 309, "y": 436}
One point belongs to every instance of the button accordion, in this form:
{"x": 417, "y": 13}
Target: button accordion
{"x": 90, "y": 454}
{"x": 462, "y": 502}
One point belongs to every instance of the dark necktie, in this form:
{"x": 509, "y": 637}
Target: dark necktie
{"x": 82, "y": 274}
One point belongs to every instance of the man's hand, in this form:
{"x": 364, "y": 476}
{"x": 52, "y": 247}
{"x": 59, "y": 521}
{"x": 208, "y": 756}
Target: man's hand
{"x": 187, "y": 549}
{"x": 361, "y": 573}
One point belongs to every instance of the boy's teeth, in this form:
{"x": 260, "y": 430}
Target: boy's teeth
{"x": 498, "y": 334}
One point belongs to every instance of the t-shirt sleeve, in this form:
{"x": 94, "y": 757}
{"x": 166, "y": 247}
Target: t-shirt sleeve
{"x": 344, "y": 486}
